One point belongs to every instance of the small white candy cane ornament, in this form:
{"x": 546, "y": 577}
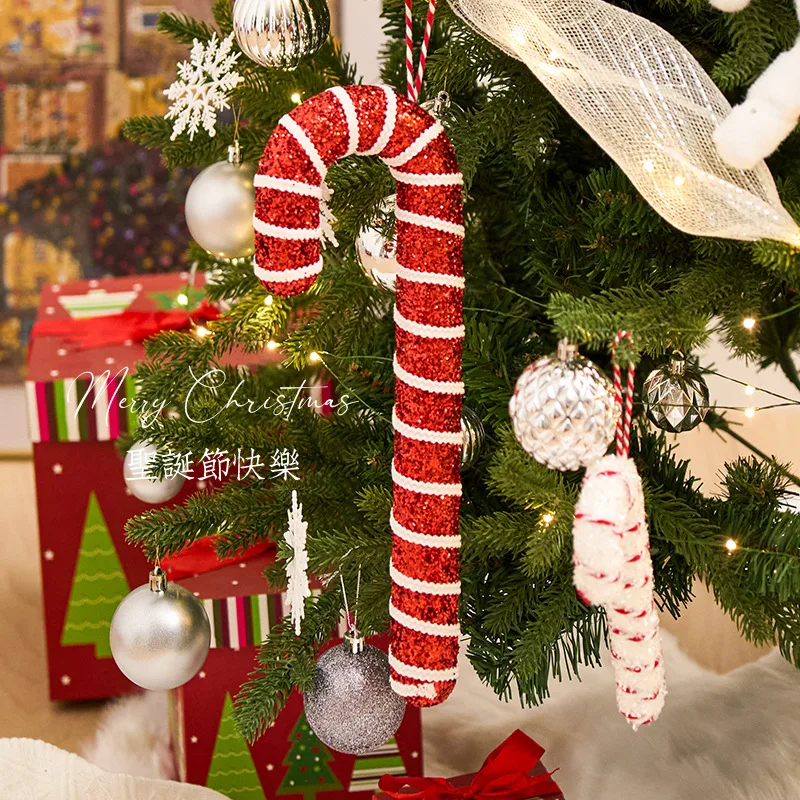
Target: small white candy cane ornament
{"x": 611, "y": 556}
{"x": 373, "y": 120}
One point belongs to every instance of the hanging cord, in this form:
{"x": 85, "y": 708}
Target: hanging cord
{"x": 626, "y": 411}
{"x": 352, "y": 622}
{"x": 414, "y": 85}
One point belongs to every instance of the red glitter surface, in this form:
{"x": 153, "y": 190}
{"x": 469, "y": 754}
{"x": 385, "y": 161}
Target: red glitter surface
{"x": 435, "y": 564}
{"x": 434, "y": 359}
{"x": 429, "y": 304}
{"x": 426, "y": 409}
{"x": 428, "y": 462}
{"x": 419, "y": 248}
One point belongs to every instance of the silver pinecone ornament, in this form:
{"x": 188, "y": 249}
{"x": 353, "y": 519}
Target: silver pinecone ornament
{"x": 675, "y": 396}
{"x": 563, "y": 410}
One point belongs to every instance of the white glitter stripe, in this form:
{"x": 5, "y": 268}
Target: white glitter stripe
{"x": 425, "y": 434}
{"x": 428, "y": 331}
{"x": 423, "y": 587}
{"x": 417, "y": 146}
{"x": 345, "y": 101}
{"x": 426, "y": 690}
{"x": 425, "y": 384}
{"x": 308, "y": 146}
{"x": 435, "y": 278}
{"x": 409, "y": 178}
{"x": 279, "y": 232}
{"x": 287, "y": 185}
{"x": 426, "y": 221}
{"x": 389, "y": 122}
{"x": 424, "y": 539}
{"x": 424, "y": 487}
{"x": 287, "y": 275}
{"x": 422, "y": 625}
{"x": 420, "y": 673}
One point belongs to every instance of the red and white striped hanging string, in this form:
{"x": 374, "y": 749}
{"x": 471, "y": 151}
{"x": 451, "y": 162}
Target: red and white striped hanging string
{"x": 626, "y": 410}
{"x": 414, "y": 85}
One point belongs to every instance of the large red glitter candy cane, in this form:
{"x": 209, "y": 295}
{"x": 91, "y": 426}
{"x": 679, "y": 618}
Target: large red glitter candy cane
{"x": 371, "y": 120}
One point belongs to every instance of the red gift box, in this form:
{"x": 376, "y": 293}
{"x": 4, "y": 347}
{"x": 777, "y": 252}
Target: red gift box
{"x": 83, "y": 503}
{"x": 512, "y": 771}
{"x": 288, "y": 760}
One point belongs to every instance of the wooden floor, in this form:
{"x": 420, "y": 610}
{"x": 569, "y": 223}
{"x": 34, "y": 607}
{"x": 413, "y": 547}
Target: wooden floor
{"x": 704, "y": 631}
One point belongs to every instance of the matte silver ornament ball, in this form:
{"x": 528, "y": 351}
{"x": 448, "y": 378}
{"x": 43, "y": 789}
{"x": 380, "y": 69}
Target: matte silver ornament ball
{"x": 675, "y": 396}
{"x": 160, "y": 634}
{"x": 219, "y": 208}
{"x": 280, "y": 33}
{"x": 377, "y": 251}
{"x": 563, "y": 410}
{"x": 351, "y": 706}
{"x": 474, "y": 435}
{"x": 134, "y": 470}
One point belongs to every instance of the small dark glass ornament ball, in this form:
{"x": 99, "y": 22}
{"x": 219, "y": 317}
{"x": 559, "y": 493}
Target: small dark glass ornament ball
{"x": 474, "y": 436}
{"x": 351, "y": 706}
{"x": 675, "y": 396}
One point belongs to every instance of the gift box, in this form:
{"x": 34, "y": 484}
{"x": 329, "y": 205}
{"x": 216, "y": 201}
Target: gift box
{"x": 512, "y": 771}
{"x": 288, "y": 760}
{"x": 84, "y": 329}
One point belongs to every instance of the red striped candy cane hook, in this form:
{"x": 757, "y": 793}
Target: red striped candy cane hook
{"x": 371, "y": 120}
{"x": 626, "y": 411}
{"x": 414, "y": 85}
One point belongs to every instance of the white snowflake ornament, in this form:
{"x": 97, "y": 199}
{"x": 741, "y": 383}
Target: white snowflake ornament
{"x": 297, "y": 566}
{"x": 203, "y": 85}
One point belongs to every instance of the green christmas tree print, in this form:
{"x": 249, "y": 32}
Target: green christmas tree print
{"x": 98, "y": 587}
{"x": 232, "y": 771}
{"x": 307, "y": 764}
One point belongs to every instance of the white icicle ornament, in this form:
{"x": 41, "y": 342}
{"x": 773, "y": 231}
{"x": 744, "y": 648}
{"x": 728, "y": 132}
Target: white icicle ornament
{"x": 611, "y": 555}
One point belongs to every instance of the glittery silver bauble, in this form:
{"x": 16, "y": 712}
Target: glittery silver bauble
{"x": 675, "y": 396}
{"x": 160, "y": 634}
{"x": 280, "y": 33}
{"x": 219, "y": 209}
{"x": 563, "y": 410}
{"x": 474, "y": 434}
{"x": 376, "y": 252}
{"x": 135, "y": 469}
{"x": 351, "y": 706}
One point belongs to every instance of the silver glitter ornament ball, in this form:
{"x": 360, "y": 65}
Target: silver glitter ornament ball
{"x": 160, "y": 634}
{"x": 563, "y": 410}
{"x": 280, "y": 33}
{"x": 377, "y": 253}
{"x": 474, "y": 434}
{"x": 351, "y": 706}
{"x": 134, "y": 470}
{"x": 219, "y": 208}
{"x": 675, "y": 396}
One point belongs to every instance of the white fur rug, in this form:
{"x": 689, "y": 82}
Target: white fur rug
{"x": 721, "y": 737}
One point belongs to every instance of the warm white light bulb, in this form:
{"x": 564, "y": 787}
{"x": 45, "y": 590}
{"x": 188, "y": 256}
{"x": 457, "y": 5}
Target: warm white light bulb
{"x": 201, "y": 332}
{"x": 547, "y": 518}
{"x": 748, "y": 323}
{"x": 648, "y": 165}
{"x": 296, "y": 98}
{"x": 679, "y": 180}
{"x": 271, "y": 344}
{"x": 182, "y": 300}
{"x": 268, "y": 301}
{"x": 750, "y": 412}
{"x": 314, "y": 357}
{"x": 749, "y": 390}
{"x": 731, "y": 545}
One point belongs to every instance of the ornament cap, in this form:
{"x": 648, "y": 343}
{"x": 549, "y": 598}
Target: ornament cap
{"x": 158, "y": 580}
{"x": 354, "y": 639}
{"x": 566, "y": 350}
{"x": 441, "y": 105}
{"x": 234, "y": 153}
{"x": 677, "y": 363}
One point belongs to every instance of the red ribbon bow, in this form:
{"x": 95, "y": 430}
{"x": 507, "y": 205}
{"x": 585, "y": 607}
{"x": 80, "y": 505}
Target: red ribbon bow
{"x": 118, "y": 328}
{"x": 505, "y": 775}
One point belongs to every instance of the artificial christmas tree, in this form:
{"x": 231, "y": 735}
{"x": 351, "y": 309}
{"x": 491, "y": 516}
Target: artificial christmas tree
{"x": 557, "y": 243}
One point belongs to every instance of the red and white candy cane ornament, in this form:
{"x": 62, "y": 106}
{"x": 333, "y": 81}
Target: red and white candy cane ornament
{"x": 611, "y": 556}
{"x": 371, "y": 120}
